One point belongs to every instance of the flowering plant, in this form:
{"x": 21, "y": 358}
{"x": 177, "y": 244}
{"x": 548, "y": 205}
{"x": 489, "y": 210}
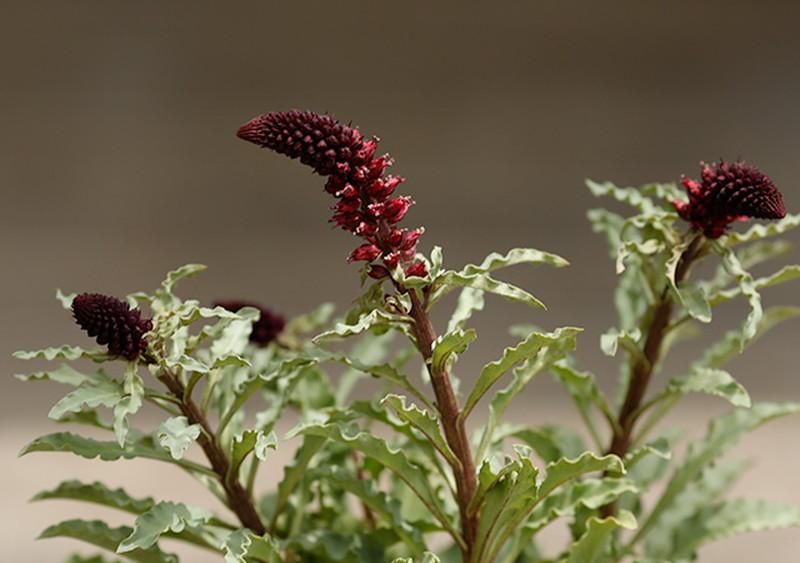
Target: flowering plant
{"x": 427, "y": 482}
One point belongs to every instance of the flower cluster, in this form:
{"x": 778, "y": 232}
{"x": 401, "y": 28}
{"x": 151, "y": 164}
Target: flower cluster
{"x": 268, "y": 326}
{"x": 113, "y": 323}
{"x": 366, "y": 206}
{"x": 729, "y": 192}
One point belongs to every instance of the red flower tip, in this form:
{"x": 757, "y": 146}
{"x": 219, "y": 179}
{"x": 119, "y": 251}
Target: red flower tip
{"x": 729, "y": 192}
{"x": 268, "y": 326}
{"x": 112, "y": 323}
{"x": 356, "y": 177}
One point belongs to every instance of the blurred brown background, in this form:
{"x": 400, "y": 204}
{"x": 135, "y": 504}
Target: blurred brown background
{"x": 118, "y": 161}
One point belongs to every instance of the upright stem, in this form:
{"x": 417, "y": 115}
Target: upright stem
{"x": 238, "y": 499}
{"x": 645, "y": 364}
{"x": 452, "y": 423}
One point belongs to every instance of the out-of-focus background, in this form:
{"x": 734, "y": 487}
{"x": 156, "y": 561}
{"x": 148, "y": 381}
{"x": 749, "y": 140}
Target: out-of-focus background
{"x": 118, "y": 161}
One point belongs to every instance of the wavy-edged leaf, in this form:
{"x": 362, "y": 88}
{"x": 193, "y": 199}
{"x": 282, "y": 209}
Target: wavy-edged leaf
{"x": 105, "y": 450}
{"x": 66, "y": 375}
{"x": 251, "y": 441}
{"x": 761, "y": 231}
{"x": 692, "y": 297}
{"x": 630, "y": 196}
{"x": 449, "y": 346}
{"x": 613, "y": 338}
{"x": 97, "y": 493}
{"x": 513, "y": 257}
{"x": 293, "y": 472}
{"x": 90, "y": 394}
{"x": 427, "y": 557}
{"x": 729, "y": 347}
{"x": 712, "y": 382}
{"x": 423, "y": 421}
{"x": 748, "y": 288}
{"x": 243, "y": 546}
{"x": 470, "y": 301}
{"x": 723, "y": 434}
{"x": 396, "y": 461}
{"x": 733, "y": 517}
{"x": 101, "y": 535}
{"x": 638, "y": 248}
{"x": 64, "y": 353}
{"x": 162, "y": 518}
{"x": 551, "y": 442}
{"x": 787, "y": 273}
{"x": 713, "y": 482}
{"x": 372, "y": 320}
{"x": 564, "y": 340}
{"x": 609, "y": 224}
{"x": 449, "y": 280}
{"x": 523, "y": 351}
{"x": 590, "y": 546}
{"x": 659, "y": 448}
{"x": 588, "y": 493}
{"x": 129, "y": 403}
{"x": 380, "y": 503}
{"x": 176, "y": 435}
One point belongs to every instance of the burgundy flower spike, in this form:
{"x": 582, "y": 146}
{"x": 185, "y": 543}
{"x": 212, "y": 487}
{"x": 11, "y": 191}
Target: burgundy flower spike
{"x": 113, "y": 323}
{"x": 356, "y": 177}
{"x": 729, "y": 192}
{"x": 268, "y": 326}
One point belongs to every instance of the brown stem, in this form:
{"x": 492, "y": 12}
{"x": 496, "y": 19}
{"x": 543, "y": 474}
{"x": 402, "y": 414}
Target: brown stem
{"x": 452, "y": 424}
{"x": 239, "y": 501}
{"x": 644, "y": 365}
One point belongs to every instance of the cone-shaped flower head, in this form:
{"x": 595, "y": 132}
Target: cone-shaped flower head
{"x": 729, "y": 192}
{"x": 268, "y": 326}
{"x": 356, "y": 177}
{"x": 112, "y": 323}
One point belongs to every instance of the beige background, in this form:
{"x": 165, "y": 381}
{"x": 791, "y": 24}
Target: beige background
{"x": 118, "y": 162}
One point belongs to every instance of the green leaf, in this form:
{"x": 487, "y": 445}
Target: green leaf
{"x": 723, "y": 434}
{"x": 787, "y": 273}
{"x": 525, "y": 350}
{"x": 91, "y": 394}
{"x": 64, "y": 374}
{"x": 564, "y": 470}
{"x": 760, "y": 231}
{"x": 78, "y": 558}
{"x": 372, "y": 320}
{"x": 713, "y": 382}
{"x": 733, "y": 517}
{"x": 587, "y": 493}
{"x": 692, "y": 297}
{"x": 176, "y": 435}
{"x": 251, "y": 441}
{"x": 423, "y": 421}
{"x": 470, "y": 300}
{"x": 513, "y": 257}
{"x": 608, "y": 223}
{"x": 450, "y": 280}
{"x": 630, "y": 196}
{"x": 396, "y": 461}
{"x": 729, "y": 347}
{"x": 162, "y": 518}
{"x": 97, "y": 493}
{"x": 638, "y": 248}
{"x": 99, "y": 534}
{"x": 702, "y": 492}
{"x": 659, "y": 448}
{"x": 748, "y": 288}
{"x": 589, "y": 547}
{"x": 449, "y": 346}
{"x": 106, "y": 451}
{"x": 551, "y": 442}
{"x": 563, "y": 341}
{"x": 64, "y": 353}
{"x": 185, "y": 271}
{"x": 294, "y": 471}
{"x": 610, "y": 341}
{"x": 66, "y": 300}
{"x": 129, "y": 403}
{"x": 243, "y": 546}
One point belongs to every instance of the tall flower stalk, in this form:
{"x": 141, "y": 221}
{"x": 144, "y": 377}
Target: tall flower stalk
{"x": 368, "y": 208}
